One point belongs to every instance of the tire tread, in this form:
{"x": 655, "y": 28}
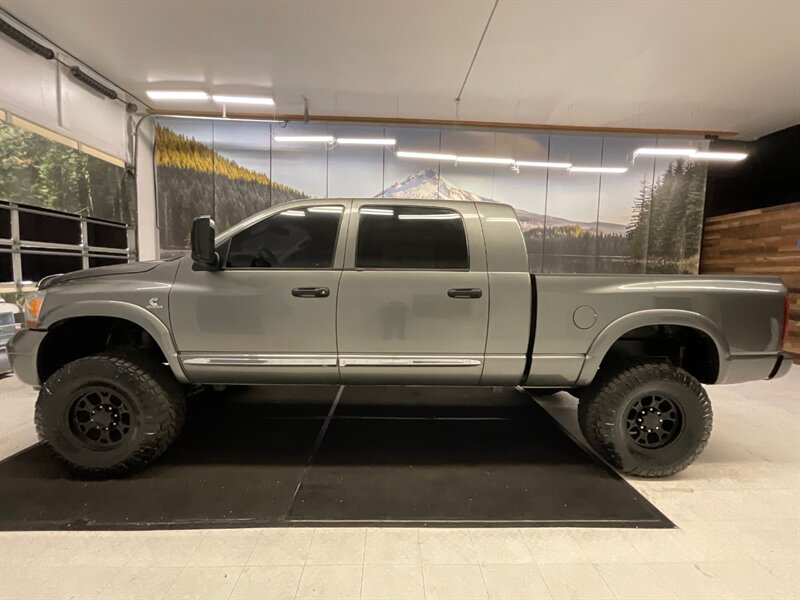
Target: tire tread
{"x": 163, "y": 407}
{"x": 600, "y": 403}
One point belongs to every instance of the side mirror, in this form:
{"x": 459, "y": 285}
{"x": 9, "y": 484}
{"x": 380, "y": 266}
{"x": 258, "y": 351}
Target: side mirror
{"x": 203, "y": 251}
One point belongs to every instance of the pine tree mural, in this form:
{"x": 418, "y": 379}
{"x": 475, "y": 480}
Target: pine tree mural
{"x": 193, "y": 180}
{"x": 667, "y": 220}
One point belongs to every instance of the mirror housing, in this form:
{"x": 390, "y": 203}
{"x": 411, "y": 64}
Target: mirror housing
{"x": 203, "y": 252}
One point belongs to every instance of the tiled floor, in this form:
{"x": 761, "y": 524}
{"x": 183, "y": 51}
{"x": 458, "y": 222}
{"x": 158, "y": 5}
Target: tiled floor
{"x": 737, "y": 511}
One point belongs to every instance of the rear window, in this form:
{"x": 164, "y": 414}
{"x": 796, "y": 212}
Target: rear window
{"x": 411, "y": 237}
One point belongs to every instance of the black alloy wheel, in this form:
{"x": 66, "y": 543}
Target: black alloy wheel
{"x": 654, "y": 421}
{"x": 101, "y": 418}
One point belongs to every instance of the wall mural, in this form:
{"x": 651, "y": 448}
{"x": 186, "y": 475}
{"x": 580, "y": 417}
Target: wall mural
{"x": 648, "y": 219}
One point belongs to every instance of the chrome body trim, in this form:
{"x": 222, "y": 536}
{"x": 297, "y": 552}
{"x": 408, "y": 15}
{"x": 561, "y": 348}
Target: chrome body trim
{"x": 261, "y": 360}
{"x": 409, "y": 361}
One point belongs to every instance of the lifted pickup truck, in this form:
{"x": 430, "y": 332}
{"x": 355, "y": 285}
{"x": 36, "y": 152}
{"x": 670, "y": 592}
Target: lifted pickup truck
{"x": 385, "y": 291}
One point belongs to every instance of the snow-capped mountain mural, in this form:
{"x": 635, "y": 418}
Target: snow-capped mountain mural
{"x": 650, "y": 217}
{"x": 428, "y": 184}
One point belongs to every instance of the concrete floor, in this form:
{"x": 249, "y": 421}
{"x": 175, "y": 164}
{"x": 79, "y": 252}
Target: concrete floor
{"x": 737, "y": 510}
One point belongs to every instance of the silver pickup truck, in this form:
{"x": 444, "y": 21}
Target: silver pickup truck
{"x": 385, "y": 291}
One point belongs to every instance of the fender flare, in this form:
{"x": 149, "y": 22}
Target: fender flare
{"x": 127, "y": 312}
{"x": 658, "y": 316}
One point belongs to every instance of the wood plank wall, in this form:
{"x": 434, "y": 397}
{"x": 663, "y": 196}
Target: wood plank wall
{"x": 765, "y": 241}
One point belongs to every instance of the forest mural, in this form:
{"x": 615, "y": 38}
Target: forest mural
{"x": 648, "y": 219}
{"x": 42, "y": 172}
{"x": 193, "y": 179}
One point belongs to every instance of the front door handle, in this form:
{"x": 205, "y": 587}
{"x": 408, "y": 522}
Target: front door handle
{"x": 311, "y": 292}
{"x": 465, "y": 293}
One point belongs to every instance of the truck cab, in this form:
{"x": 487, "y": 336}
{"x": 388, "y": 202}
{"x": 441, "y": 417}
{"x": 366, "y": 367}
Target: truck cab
{"x": 360, "y": 291}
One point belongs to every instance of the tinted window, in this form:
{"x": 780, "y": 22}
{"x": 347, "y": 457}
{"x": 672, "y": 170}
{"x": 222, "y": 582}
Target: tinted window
{"x": 298, "y": 238}
{"x": 411, "y": 237}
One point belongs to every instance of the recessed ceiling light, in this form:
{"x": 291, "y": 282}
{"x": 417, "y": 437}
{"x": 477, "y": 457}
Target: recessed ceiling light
{"x": 726, "y": 156}
{"x": 367, "y": 141}
{"x": 304, "y": 138}
{"x": 487, "y": 160}
{"x": 543, "y": 165}
{"x": 598, "y": 169}
{"x": 664, "y": 152}
{"x": 426, "y": 155}
{"x": 261, "y": 100}
{"x": 176, "y": 95}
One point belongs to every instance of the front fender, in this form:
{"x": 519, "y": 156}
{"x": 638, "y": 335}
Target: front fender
{"x": 121, "y": 310}
{"x": 616, "y": 329}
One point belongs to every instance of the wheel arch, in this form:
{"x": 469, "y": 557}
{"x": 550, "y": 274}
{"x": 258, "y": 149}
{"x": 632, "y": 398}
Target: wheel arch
{"x": 120, "y": 311}
{"x": 690, "y": 321}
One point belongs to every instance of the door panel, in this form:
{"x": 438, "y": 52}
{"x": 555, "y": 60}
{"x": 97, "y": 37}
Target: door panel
{"x": 270, "y": 315}
{"x": 414, "y": 298}
{"x": 249, "y": 327}
{"x": 391, "y": 322}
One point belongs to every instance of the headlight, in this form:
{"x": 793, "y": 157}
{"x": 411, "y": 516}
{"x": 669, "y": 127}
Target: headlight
{"x": 33, "y": 308}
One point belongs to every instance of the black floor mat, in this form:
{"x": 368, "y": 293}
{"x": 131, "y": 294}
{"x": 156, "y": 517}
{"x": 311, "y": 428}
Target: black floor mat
{"x": 401, "y": 455}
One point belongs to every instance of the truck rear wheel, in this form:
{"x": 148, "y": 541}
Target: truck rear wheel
{"x": 108, "y": 414}
{"x": 648, "y": 419}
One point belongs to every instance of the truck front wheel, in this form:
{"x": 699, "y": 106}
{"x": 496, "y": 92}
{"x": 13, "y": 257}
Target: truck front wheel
{"x": 649, "y": 419}
{"x": 108, "y": 414}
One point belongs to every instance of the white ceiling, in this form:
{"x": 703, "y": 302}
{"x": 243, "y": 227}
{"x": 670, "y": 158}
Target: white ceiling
{"x": 710, "y": 65}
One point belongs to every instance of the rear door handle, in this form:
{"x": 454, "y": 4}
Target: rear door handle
{"x": 465, "y": 293}
{"x": 311, "y": 292}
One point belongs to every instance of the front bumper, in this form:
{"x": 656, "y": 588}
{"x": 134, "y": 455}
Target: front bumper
{"x": 23, "y": 349}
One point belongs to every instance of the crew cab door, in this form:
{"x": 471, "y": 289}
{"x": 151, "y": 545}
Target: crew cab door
{"x": 414, "y": 297}
{"x": 269, "y": 314}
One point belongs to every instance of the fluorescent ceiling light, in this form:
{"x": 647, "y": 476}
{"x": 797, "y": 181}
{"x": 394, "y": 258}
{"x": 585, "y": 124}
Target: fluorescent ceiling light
{"x": 304, "y": 138}
{"x": 544, "y": 165}
{"x": 664, "y": 152}
{"x": 426, "y": 155}
{"x": 262, "y": 100}
{"x": 727, "y": 156}
{"x": 487, "y": 160}
{"x": 367, "y": 141}
{"x": 598, "y": 169}
{"x": 176, "y": 95}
